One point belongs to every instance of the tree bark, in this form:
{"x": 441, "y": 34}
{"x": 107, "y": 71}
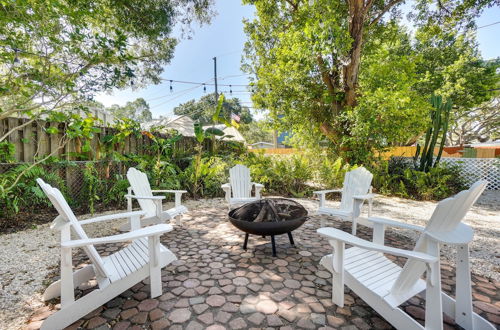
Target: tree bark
{"x": 350, "y": 71}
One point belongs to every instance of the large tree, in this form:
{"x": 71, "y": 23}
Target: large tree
{"x": 137, "y": 110}
{"x": 203, "y": 109}
{"x": 479, "y": 124}
{"x": 257, "y": 131}
{"x": 334, "y": 68}
{"x": 56, "y": 53}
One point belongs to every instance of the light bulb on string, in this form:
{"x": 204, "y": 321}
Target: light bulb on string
{"x": 230, "y": 90}
{"x": 16, "y": 59}
{"x": 171, "y": 88}
{"x": 204, "y": 88}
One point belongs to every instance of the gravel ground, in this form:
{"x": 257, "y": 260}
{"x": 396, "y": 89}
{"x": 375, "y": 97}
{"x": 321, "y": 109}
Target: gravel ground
{"x": 30, "y": 256}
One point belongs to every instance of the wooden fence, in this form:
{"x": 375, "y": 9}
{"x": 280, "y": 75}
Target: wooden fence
{"x": 276, "y": 151}
{"x": 448, "y": 152}
{"x": 33, "y": 141}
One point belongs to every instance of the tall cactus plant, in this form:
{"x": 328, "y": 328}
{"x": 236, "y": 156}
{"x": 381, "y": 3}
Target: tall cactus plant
{"x": 440, "y": 116}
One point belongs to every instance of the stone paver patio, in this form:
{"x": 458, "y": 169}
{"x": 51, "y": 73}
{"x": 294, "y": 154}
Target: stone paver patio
{"x": 217, "y": 285}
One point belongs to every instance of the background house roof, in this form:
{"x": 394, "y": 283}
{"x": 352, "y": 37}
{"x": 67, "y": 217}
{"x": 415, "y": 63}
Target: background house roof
{"x": 182, "y": 124}
{"x": 236, "y": 135}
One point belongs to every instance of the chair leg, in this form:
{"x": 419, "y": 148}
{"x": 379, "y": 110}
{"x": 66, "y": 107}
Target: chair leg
{"x": 354, "y": 226}
{"x": 290, "y": 237}
{"x": 154, "y": 266}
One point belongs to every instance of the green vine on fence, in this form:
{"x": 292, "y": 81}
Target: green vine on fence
{"x": 92, "y": 182}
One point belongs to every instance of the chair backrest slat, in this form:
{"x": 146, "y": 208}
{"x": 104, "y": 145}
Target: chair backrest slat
{"x": 64, "y": 210}
{"x": 356, "y": 182}
{"x": 448, "y": 214}
{"x": 141, "y": 187}
{"x": 239, "y": 178}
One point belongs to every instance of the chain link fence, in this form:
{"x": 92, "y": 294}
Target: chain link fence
{"x": 86, "y": 184}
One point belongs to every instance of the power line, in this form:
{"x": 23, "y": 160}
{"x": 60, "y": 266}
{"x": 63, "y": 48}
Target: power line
{"x": 200, "y": 83}
{"x": 169, "y": 100}
{"x": 494, "y": 23}
{"x": 171, "y": 94}
{"x": 235, "y": 75}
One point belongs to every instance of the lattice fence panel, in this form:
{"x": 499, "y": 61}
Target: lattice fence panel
{"x": 478, "y": 169}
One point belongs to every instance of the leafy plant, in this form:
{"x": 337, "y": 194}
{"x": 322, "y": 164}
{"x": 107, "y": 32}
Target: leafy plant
{"x": 7, "y": 151}
{"x": 92, "y": 182}
{"x": 204, "y": 177}
{"x": 25, "y": 194}
{"x": 330, "y": 173}
{"x": 399, "y": 177}
{"x": 286, "y": 175}
{"x": 115, "y": 194}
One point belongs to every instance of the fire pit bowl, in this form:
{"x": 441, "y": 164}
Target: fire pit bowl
{"x": 269, "y": 217}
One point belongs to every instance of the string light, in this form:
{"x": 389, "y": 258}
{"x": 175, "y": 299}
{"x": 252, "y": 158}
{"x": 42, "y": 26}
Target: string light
{"x": 16, "y": 59}
{"x": 204, "y": 88}
{"x": 200, "y": 83}
{"x": 230, "y": 90}
{"x": 171, "y": 88}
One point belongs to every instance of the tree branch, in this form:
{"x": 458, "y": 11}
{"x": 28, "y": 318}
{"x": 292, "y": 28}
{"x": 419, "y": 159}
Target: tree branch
{"x": 384, "y": 10}
{"x": 63, "y": 140}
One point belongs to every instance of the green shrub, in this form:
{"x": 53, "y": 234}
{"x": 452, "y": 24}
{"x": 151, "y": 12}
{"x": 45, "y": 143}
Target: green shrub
{"x": 281, "y": 175}
{"x": 399, "y": 177}
{"x": 7, "y": 151}
{"x": 330, "y": 173}
{"x": 204, "y": 177}
{"x": 115, "y": 195}
{"x": 25, "y": 194}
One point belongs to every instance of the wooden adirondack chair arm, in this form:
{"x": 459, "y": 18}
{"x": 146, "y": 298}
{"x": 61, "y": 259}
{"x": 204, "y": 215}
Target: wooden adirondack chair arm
{"x": 363, "y": 197}
{"x": 139, "y": 233}
{"x": 170, "y": 191}
{"x": 145, "y": 197}
{"x": 322, "y": 195}
{"x": 258, "y": 188}
{"x": 321, "y": 192}
{"x": 394, "y": 223}
{"x": 113, "y": 217}
{"x": 339, "y": 235}
{"x": 227, "y": 189}
{"x": 178, "y": 195}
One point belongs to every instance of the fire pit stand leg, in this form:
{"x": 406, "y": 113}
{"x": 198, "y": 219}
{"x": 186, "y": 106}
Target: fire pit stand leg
{"x": 246, "y": 241}
{"x": 290, "y": 237}
{"x": 274, "y": 245}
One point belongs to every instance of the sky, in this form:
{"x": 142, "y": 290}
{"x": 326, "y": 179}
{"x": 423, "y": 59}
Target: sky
{"x": 224, "y": 38}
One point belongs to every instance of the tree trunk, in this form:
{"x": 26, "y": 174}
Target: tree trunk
{"x": 351, "y": 69}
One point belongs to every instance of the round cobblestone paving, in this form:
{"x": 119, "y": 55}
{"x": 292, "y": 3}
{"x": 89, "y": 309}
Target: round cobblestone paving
{"x": 217, "y": 285}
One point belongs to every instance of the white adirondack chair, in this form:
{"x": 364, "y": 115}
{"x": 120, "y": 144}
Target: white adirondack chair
{"x": 356, "y": 189}
{"x": 140, "y": 189}
{"x": 144, "y": 257}
{"x": 384, "y": 285}
{"x": 239, "y": 189}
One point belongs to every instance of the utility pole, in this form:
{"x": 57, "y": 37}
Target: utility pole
{"x": 215, "y": 79}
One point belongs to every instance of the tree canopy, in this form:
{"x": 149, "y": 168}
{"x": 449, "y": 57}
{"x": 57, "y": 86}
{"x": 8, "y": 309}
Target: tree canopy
{"x": 54, "y": 54}
{"x": 348, "y": 72}
{"x": 137, "y": 110}
{"x": 257, "y": 131}
{"x": 202, "y": 110}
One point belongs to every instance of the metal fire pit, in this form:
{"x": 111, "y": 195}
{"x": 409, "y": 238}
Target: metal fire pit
{"x": 269, "y": 217}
